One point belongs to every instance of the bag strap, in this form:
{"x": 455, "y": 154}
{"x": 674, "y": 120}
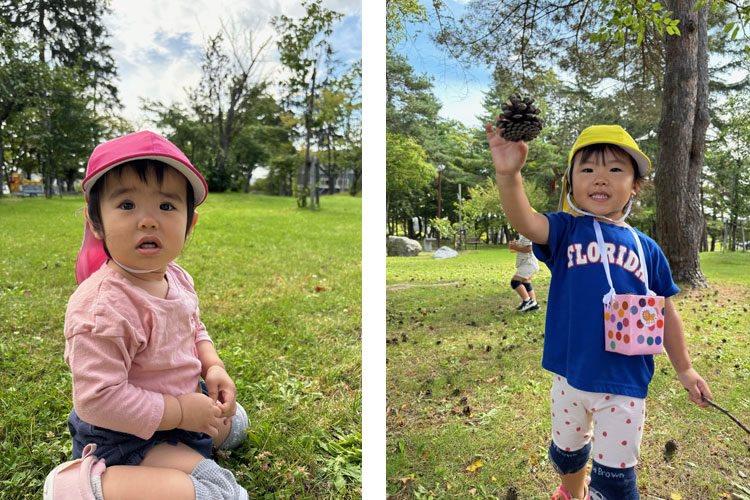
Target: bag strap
{"x": 644, "y": 268}
{"x": 605, "y": 261}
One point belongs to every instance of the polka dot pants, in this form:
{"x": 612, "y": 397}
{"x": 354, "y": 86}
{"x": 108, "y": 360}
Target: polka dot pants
{"x": 614, "y": 423}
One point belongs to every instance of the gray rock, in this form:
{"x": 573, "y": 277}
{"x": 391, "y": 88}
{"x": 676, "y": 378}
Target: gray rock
{"x": 445, "y": 253}
{"x": 400, "y": 246}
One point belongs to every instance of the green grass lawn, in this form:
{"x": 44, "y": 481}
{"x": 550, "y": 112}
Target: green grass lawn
{"x": 467, "y": 399}
{"x": 280, "y": 291}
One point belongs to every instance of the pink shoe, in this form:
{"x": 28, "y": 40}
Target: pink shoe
{"x": 72, "y": 480}
{"x": 562, "y": 494}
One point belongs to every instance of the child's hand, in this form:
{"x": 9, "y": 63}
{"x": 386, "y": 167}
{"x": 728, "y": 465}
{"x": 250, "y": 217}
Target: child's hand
{"x": 695, "y": 385}
{"x": 507, "y": 156}
{"x": 221, "y": 389}
{"x": 199, "y": 413}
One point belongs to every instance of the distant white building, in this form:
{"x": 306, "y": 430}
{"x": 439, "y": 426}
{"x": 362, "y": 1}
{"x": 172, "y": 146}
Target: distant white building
{"x": 343, "y": 182}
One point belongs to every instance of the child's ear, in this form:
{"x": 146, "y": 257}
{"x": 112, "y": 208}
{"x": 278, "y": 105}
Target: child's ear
{"x": 636, "y": 187}
{"x": 91, "y": 226}
{"x": 192, "y": 225}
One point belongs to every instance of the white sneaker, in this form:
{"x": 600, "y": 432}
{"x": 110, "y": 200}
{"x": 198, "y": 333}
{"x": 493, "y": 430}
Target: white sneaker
{"x": 238, "y": 430}
{"x": 523, "y": 305}
{"x": 529, "y": 305}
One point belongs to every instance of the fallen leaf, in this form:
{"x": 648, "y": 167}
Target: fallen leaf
{"x": 319, "y": 289}
{"x": 473, "y": 491}
{"x": 448, "y": 486}
{"x": 676, "y": 496}
{"x": 473, "y": 467}
{"x": 405, "y": 480}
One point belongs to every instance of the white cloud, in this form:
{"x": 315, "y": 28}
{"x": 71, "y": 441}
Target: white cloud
{"x": 158, "y": 46}
{"x": 462, "y": 103}
{"x": 459, "y": 89}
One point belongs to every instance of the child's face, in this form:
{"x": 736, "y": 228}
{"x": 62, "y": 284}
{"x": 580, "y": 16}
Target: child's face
{"x": 604, "y": 187}
{"x": 144, "y": 223}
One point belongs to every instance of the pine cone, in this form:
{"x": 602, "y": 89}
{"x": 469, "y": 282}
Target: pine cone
{"x": 519, "y": 121}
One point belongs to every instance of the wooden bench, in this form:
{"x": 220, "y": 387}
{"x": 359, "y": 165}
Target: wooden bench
{"x": 474, "y": 241}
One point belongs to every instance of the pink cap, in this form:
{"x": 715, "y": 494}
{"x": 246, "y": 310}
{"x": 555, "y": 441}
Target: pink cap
{"x": 143, "y": 145}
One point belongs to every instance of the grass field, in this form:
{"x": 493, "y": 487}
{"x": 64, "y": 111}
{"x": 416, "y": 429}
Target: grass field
{"x": 467, "y": 399}
{"x": 280, "y": 292}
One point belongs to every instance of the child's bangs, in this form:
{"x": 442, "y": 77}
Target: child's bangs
{"x": 145, "y": 169}
{"x": 601, "y": 150}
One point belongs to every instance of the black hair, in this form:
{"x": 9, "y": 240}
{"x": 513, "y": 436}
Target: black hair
{"x": 601, "y": 149}
{"x": 143, "y": 168}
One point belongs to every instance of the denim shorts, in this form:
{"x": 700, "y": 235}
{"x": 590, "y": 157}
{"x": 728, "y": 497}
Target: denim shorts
{"x": 120, "y": 448}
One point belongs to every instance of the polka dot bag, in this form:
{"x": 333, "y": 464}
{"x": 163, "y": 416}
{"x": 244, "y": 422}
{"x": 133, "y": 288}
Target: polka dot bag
{"x": 633, "y": 324}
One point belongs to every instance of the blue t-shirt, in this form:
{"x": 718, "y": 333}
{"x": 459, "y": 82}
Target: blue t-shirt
{"x": 574, "y": 329}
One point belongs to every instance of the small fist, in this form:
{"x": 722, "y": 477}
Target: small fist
{"x": 199, "y": 414}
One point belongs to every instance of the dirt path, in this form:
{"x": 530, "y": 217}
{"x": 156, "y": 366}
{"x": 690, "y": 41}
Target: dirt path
{"x": 404, "y": 286}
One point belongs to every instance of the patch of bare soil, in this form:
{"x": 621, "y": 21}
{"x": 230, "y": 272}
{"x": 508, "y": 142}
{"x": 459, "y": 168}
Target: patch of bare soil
{"x": 404, "y": 286}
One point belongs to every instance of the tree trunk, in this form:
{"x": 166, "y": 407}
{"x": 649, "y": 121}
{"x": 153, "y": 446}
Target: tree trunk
{"x": 308, "y": 131}
{"x": 682, "y": 134}
{"x": 355, "y": 181}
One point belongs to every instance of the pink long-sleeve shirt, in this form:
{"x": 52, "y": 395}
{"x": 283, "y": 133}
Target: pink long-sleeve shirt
{"x": 126, "y": 348}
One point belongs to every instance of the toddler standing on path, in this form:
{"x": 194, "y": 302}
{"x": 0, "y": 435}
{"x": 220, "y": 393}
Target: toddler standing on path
{"x": 597, "y": 395}
{"x": 143, "y": 422}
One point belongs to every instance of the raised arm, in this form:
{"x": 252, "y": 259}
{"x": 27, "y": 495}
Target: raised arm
{"x": 509, "y": 158}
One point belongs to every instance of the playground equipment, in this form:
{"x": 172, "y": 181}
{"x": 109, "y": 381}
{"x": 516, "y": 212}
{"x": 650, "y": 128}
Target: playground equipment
{"x": 25, "y": 187}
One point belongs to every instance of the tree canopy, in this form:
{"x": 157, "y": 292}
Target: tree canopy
{"x": 649, "y": 66}
{"x": 59, "y": 98}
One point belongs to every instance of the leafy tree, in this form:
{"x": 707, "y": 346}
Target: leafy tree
{"x": 411, "y": 107}
{"x": 338, "y": 126}
{"x": 68, "y": 130}
{"x": 398, "y": 13}
{"x": 728, "y": 176}
{"x": 406, "y": 169}
{"x": 182, "y": 128}
{"x": 228, "y": 89}
{"x": 304, "y": 47}
{"x": 352, "y": 127}
{"x": 70, "y": 33}
{"x": 545, "y": 32}
{"x": 257, "y": 143}
{"x": 482, "y": 211}
{"x": 20, "y": 78}
{"x": 283, "y": 170}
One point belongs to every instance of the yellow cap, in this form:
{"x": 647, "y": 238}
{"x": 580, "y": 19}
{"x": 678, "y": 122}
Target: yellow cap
{"x": 603, "y": 134}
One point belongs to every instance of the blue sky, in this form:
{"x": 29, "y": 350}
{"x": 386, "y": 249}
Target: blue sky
{"x": 458, "y": 89}
{"x": 158, "y": 46}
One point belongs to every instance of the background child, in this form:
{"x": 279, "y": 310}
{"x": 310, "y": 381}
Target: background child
{"x": 134, "y": 340}
{"x": 596, "y": 395}
{"x": 526, "y": 266}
